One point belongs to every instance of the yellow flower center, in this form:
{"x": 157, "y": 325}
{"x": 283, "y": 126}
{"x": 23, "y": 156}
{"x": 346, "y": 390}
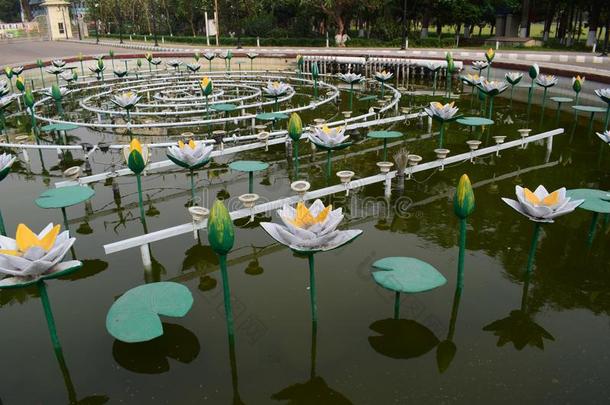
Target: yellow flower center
{"x": 27, "y": 239}
{"x": 135, "y": 145}
{"x": 304, "y": 218}
{"x": 549, "y": 200}
{"x": 191, "y": 144}
{"x": 205, "y": 81}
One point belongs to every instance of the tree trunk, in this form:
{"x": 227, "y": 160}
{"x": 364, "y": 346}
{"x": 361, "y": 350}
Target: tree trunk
{"x": 548, "y": 21}
{"x": 525, "y": 19}
{"x": 425, "y": 22}
{"x": 593, "y": 22}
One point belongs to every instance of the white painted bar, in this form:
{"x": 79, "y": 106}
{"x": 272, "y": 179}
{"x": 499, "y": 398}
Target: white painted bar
{"x": 280, "y": 137}
{"x": 273, "y": 205}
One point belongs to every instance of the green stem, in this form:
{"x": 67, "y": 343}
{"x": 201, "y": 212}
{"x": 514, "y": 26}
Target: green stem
{"x": 396, "y": 305}
{"x": 2, "y": 228}
{"x": 529, "y": 97}
{"x": 543, "y": 102}
{"x": 533, "y": 246}
{"x": 454, "y": 313}
{"x": 491, "y": 106}
{"x": 82, "y": 68}
{"x": 449, "y": 85}
{"x": 315, "y": 88}
{"x": 512, "y": 90}
{"x": 351, "y": 95}
{"x": 227, "y": 297}
{"x": 250, "y": 182}
{"x": 607, "y": 120}
{"x": 65, "y": 217}
{"x": 314, "y": 345}
{"x": 434, "y": 83}
{"x": 207, "y": 113}
{"x": 192, "y": 187}
{"x": 462, "y": 245}
{"x": 48, "y": 313}
{"x": 42, "y": 78}
{"x": 296, "y": 159}
{"x": 385, "y": 150}
{"x": 592, "y": 228}
{"x": 442, "y": 135}
{"x": 328, "y": 162}
{"x": 312, "y": 289}
{"x": 140, "y": 202}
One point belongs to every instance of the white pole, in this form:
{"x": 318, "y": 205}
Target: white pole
{"x": 207, "y": 35}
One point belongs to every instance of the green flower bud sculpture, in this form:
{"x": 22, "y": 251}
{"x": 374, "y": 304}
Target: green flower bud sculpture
{"x": 20, "y": 83}
{"x": 136, "y": 157}
{"x": 28, "y": 100}
{"x": 533, "y": 72}
{"x": 450, "y": 71}
{"x": 111, "y": 54}
{"x": 207, "y": 86}
{"x": 8, "y": 71}
{"x": 315, "y": 73}
{"x": 40, "y": 65}
{"x": 295, "y": 130}
{"x": 221, "y": 236}
{"x": 463, "y": 206}
{"x": 300, "y": 63}
{"x": 577, "y": 83}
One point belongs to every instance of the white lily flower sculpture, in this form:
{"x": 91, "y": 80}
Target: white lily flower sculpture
{"x": 493, "y": 87}
{"x": 350, "y": 78}
{"x": 155, "y": 61}
{"x": 513, "y": 77}
{"x": 433, "y": 66}
{"x": 209, "y": 55}
{"x": 252, "y": 55}
{"x": 193, "y": 67}
{"x": 479, "y": 65}
{"x": 58, "y": 63}
{"x": 54, "y": 70}
{"x": 310, "y": 230}
{"x": 63, "y": 91}
{"x": 546, "y": 80}
{"x": 383, "y": 76}
{"x": 471, "y": 79}
{"x": 191, "y": 155}
{"x": 540, "y": 205}
{"x": 174, "y": 63}
{"x": 604, "y": 94}
{"x": 440, "y": 111}
{"x": 6, "y": 161}
{"x": 5, "y": 101}
{"x": 67, "y": 76}
{"x": 126, "y": 100}
{"x": 17, "y": 70}
{"x": 328, "y": 137}
{"x": 30, "y": 257}
{"x": 276, "y": 89}
{"x": 604, "y": 136}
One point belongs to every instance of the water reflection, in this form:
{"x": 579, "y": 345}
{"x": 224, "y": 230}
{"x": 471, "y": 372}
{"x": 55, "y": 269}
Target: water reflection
{"x": 151, "y": 357}
{"x": 519, "y": 327}
{"x": 445, "y": 351}
{"x": 402, "y": 338}
{"x": 315, "y": 390}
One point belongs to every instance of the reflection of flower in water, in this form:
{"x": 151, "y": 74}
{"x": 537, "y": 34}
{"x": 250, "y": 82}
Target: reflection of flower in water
{"x": 520, "y": 329}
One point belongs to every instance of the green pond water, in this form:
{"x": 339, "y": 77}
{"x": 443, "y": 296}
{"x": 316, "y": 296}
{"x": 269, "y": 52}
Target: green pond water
{"x": 547, "y": 343}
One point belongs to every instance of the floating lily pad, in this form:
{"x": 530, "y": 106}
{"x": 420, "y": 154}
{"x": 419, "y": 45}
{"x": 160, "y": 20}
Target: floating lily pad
{"x": 273, "y": 116}
{"x": 248, "y": 165}
{"x": 59, "y": 127}
{"x": 384, "y": 134}
{"x": 64, "y": 196}
{"x": 562, "y": 99}
{"x": 474, "y": 121}
{"x": 588, "y": 108}
{"x": 134, "y": 317}
{"x": 407, "y": 275}
{"x": 225, "y": 107}
{"x": 595, "y": 200}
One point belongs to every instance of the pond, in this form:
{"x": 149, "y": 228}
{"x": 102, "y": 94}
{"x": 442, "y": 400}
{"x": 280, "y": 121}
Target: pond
{"x": 543, "y": 343}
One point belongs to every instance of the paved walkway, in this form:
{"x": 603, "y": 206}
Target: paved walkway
{"x": 29, "y": 51}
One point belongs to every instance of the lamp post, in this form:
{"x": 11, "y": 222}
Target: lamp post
{"x": 154, "y": 18}
{"x": 119, "y": 20}
{"x": 97, "y": 23}
{"x": 404, "y": 25}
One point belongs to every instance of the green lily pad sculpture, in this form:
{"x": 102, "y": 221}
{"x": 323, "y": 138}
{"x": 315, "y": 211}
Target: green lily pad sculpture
{"x": 406, "y": 275}
{"x": 134, "y": 317}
